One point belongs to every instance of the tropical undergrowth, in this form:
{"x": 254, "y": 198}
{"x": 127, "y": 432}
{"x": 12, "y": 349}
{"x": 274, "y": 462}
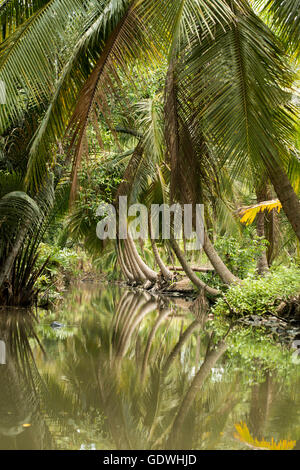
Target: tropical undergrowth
{"x": 261, "y": 295}
{"x": 64, "y": 266}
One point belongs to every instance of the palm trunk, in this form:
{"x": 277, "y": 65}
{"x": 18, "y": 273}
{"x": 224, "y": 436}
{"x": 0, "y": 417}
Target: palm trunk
{"x": 220, "y": 267}
{"x": 176, "y": 350}
{"x": 128, "y": 263}
{"x": 211, "y": 358}
{"x": 261, "y": 398}
{"x": 272, "y": 229}
{"x": 162, "y": 316}
{"x": 164, "y": 270}
{"x": 135, "y": 269}
{"x": 190, "y": 273}
{"x": 9, "y": 262}
{"x": 126, "y": 272}
{"x": 148, "y": 272}
{"x": 286, "y": 194}
{"x": 141, "y": 312}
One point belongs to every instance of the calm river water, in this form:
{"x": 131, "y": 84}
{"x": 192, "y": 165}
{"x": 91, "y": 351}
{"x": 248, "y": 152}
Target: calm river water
{"x": 128, "y": 370}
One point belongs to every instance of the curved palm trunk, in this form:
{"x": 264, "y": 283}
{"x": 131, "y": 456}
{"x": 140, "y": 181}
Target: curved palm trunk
{"x": 148, "y": 272}
{"x": 126, "y": 272}
{"x": 176, "y": 350}
{"x": 135, "y": 269}
{"x": 125, "y": 319}
{"x": 167, "y": 274}
{"x": 173, "y": 146}
{"x": 128, "y": 263}
{"x": 286, "y": 194}
{"x": 123, "y": 305}
{"x": 220, "y": 267}
{"x": 141, "y": 311}
{"x": 190, "y": 273}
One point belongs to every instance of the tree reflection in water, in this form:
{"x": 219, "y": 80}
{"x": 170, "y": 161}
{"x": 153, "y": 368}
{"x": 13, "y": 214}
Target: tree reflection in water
{"x": 22, "y": 424}
{"x": 136, "y": 371}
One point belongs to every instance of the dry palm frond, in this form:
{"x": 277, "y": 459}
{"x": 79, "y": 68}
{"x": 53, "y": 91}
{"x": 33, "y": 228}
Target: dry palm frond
{"x": 249, "y": 213}
{"x": 243, "y": 435}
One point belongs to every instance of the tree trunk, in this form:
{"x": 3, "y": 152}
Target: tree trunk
{"x": 126, "y": 272}
{"x": 148, "y": 272}
{"x": 176, "y": 350}
{"x": 137, "y": 317}
{"x": 196, "y": 269}
{"x": 190, "y": 273}
{"x": 211, "y": 358}
{"x": 164, "y": 270}
{"x": 220, "y": 267}
{"x": 162, "y": 316}
{"x": 9, "y": 262}
{"x": 273, "y": 234}
{"x": 136, "y": 271}
{"x": 286, "y": 194}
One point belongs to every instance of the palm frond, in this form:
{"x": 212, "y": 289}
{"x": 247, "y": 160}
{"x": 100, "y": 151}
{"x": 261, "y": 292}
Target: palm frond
{"x": 249, "y": 213}
{"x": 15, "y": 208}
{"x": 239, "y": 84}
{"x": 29, "y": 73}
{"x": 286, "y": 20}
{"x": 15, "y": 12}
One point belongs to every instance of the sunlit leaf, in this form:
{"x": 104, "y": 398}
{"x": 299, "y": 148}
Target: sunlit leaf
{"x": 243, "y": 435}
{"x": 249, "y": 213}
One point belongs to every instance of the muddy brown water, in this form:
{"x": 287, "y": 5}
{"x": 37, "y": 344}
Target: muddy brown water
{"x": 129, "y": 370}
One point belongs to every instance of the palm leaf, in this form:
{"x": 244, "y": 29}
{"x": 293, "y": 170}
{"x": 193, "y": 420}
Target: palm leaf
{"x": 286, "y": 20}
{"x": 239, "y": 84}
{"x": 33, "y": 70}
{"x": 249, "y": 213}
{"x": 243, "y": 435}
{"x": 15, "y": 12}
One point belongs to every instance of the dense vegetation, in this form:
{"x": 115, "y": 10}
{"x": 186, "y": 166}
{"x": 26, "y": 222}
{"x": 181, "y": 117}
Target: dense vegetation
{"x": 161, "y": 101}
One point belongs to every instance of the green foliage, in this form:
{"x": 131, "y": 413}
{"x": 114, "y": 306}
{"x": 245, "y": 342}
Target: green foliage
{"x": 286, "y": 21}
{"x": 65, "y": 259}
{"x": 241, "y": 255}
{"x": 258, "y": 352}
{"x": 260, "y": 296}
{"x": 98, "y": 183}
{"x": 62, "y": 267}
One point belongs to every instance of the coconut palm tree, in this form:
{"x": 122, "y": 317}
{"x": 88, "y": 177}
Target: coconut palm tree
{"x": 227, "y": 88}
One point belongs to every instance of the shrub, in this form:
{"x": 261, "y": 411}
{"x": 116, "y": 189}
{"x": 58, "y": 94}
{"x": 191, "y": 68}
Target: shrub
{"x": 259, "y": 296}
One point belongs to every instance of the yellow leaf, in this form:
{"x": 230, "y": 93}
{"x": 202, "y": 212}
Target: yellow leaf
{"x": 243, "y": 435}
{"x": 248, "y": 214}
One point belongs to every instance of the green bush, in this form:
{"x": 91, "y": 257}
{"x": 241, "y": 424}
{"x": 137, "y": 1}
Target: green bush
{"x": 241, "y": 255}
{"x": 63, "y": 266}
{"x": 60, "y": 259}
{"x": 259, "y": 296}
